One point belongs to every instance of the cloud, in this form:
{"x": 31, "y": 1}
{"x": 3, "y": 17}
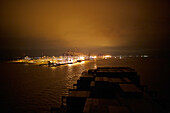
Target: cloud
{"x": 84, "y": 24}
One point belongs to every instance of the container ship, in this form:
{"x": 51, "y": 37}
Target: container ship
{"x": 109, "y": 90}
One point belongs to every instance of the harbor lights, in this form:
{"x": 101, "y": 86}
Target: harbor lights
{"x": 82, "y": 58}
{"x": 107, "y": 56}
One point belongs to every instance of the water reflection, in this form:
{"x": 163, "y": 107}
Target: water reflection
{"x": 53, "y": 68}
{"x": 95, "y": 65}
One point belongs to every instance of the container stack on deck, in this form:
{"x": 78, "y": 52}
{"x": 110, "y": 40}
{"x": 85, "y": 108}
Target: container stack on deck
{"x": 110, "y": 90}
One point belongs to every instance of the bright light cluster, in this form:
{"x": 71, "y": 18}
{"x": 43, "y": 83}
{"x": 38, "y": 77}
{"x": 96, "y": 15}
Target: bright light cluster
{"x": 107, "y": 56}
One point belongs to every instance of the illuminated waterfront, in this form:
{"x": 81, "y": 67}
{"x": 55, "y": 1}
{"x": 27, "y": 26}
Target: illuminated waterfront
{"x": 61, "y": 60}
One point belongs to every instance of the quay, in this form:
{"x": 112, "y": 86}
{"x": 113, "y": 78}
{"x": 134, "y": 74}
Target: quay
{"x": 109, "y": 90}
{"x": 68, "y": 58}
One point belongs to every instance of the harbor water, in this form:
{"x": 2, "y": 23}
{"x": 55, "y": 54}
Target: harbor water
{"x": 31, "y": 88}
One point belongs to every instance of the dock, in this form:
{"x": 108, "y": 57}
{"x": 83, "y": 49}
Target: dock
{"x": 110, "y": 90}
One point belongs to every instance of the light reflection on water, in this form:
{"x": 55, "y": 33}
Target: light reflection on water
{"x": 33, "y": 88}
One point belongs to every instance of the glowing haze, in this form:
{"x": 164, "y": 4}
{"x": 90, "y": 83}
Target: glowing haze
{"x": 104, "y": 25}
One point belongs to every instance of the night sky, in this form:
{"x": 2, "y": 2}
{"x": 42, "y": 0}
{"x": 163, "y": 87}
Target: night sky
{"x": 102, "y": 26}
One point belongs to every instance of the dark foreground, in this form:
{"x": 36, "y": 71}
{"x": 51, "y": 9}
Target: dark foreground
{"x": 110, "y": 90}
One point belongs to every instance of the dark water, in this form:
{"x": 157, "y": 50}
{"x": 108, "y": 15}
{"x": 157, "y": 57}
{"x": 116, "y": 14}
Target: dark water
{"x": 35, "y": 89}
